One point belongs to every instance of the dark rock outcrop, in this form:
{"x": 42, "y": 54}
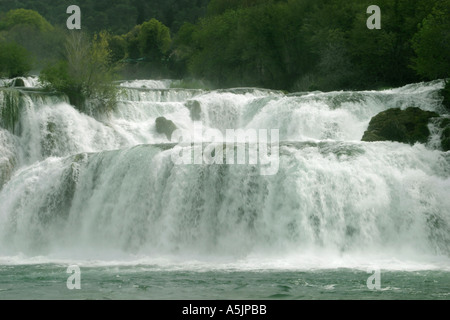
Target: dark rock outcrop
{"x": 445, "y": 137}
{"x": 446, "y": 95}
{"x": 7, "y": 166}
{"x": 195, "y": 110}
{"x": 165, "y": 126}
{"x": 18, "y": 83}
{"x": 406, "y": 126}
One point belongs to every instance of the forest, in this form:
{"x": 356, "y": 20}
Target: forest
{"x": 293, "y": 45}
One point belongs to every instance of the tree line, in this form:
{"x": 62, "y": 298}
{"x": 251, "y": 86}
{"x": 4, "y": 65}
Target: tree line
{"x": 116, "y": 16}
{"x": 294, "y": 45}
{"x": 317, "y": 44}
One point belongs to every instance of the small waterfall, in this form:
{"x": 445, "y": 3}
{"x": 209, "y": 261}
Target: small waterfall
{"x": 147, "y": 84}
{"x": 28, "y": 82}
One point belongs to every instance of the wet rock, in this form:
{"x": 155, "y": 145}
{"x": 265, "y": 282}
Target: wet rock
{"x": 445, "y": 137}
{"x": 195, "y": 110}
{"x": 6, "y": 170}
{"x": 165, "y": 126}
{"x": 446, "y": 95}
{"x": 406, "y": 126}
{"x": 18, "y": 82}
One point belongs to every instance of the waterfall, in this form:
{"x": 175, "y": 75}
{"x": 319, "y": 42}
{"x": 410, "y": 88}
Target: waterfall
{"x": 77, "y": 185}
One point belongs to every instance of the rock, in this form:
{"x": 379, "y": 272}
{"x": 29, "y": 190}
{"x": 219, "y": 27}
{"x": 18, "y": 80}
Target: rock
{"x": 6, "y": 169}
{"x": 446, "y": 95}
{"x": 445, "y": 140}
{"x": 165, "y": 126}
{"x": 406, "y": 126}
{"x": 445, "y": 137}
{"x": 18, "y": 83}
{"x": 195, "y": 110}
{"x": 49, "y": 143}
{"x": 8, "y": 157}
{"x": 11, "y": 105}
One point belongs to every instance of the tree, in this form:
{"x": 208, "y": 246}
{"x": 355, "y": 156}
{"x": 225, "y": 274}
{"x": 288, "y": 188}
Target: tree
{"x": 85, "y": 73}
{"x": 217, "y": 7}
{"x": 26, "y": 17}
{"x": 254, "y": 45}
{"x": 132, "y": 43}
{"x": 118, "y": 47}
{"x": 432, "y": 43}
{"x": 184, "y": 48}
{"x": 154, "y": 40}
{"x": 30, "y": 30}
{"x": 147, "y": 49}
{"x": 15, "y": 61}
{"x": 117, "y": 16}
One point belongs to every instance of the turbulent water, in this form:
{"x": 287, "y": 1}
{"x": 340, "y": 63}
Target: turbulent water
{"x": 105, "y": 194}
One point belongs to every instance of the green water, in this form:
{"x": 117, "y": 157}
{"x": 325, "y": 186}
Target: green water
{"x": 48, "y": 281}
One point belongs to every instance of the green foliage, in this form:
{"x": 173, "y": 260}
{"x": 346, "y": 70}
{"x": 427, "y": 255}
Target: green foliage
{"x": 56, "y": 75}
{"x": 432, "y": 43}
{"x": 293, "y": 45}
{"x": 15, "y": 61}
{"x": 183, "y": 49}
{"x": 30, "y": 30}
{"x": 10, "y": 112}
{"x": 154, "y": 40}
{"x": 302, "y": 44}
{"x": 150, "y": 40}
{"x": 217, "y": 7}
{"x": 118, "y": 16}
{"x": 258, "y": 45}
{"x": 85, "y": 74}
{"x": 133, "y": 50}
{"x": 26, "y": 17}
{"x": 147, "y": 49}
{"x": 118, "y": 47}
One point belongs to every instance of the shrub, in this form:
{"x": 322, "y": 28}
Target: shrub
{"x": 85, "y": 73}
{"x": 26, "y": 17}
{"x": 15, "y": 61}
{"x": 432, "y": 43}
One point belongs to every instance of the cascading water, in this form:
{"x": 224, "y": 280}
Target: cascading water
{"x": 28, "y": 82}
{"x": 75, "y": 187}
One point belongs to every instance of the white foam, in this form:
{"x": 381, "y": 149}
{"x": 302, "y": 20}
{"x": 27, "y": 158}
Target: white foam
{"x": 147, "y": 84}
